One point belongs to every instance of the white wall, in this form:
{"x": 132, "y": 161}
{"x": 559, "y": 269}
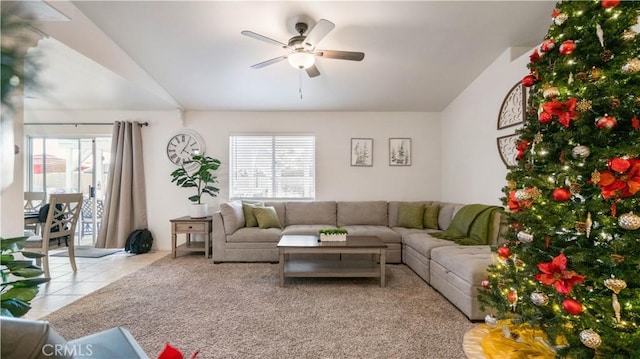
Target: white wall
{"x": 472, "y": 171}
{"x": 336, "y": 179}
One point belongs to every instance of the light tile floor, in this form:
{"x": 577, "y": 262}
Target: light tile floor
{"x": 93, "y": 274}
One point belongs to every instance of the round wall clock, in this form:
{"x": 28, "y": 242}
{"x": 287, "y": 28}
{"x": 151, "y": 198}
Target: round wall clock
{"x": 183, "y": 145}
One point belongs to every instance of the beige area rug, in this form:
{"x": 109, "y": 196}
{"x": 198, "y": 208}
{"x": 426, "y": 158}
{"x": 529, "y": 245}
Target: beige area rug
{"x": 238, "y": 310}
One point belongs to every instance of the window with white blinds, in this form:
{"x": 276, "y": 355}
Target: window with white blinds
{"x": 272, "y": 166}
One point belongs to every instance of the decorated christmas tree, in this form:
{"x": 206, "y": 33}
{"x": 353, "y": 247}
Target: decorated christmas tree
{"x": 571, "y": 263}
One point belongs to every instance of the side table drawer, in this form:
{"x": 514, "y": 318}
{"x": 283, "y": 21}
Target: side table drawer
{"x": 190, "y": 227}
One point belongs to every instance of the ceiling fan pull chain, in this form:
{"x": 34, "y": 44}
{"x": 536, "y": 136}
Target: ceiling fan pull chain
{"x": 300, "y": 83}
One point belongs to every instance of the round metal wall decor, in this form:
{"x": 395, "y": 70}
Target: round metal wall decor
{"x": 514, "y": 106}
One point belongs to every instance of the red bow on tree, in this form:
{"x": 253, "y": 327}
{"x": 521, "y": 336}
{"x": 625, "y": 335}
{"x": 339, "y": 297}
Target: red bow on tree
{"x": 522, "y": 146}
{"x": 622, "y": 181}
{"x": 564, "y": 112}
{"x": 555, "y": 273}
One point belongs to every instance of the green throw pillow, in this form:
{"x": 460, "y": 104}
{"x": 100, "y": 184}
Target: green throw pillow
{"x": 431, "y": 216}
{"x": 410, "y": 215}
{"x": 249, "y": 218}
{"x": 267, "y": 217}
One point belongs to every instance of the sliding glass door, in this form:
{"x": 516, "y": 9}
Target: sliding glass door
{"x": 71, "y": 165}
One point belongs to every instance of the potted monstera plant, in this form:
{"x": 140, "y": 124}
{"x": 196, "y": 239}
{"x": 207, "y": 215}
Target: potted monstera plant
{"x": 20, "y": 277}
{"x": 198, "y": 173}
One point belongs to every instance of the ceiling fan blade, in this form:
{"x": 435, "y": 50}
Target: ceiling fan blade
{"x": 313, "y": 71}
{"x": 268, "y": 62}
{"x": 269, "y": 40}
{"x": 340, "y": 55}
{"x": 322, "y": 28}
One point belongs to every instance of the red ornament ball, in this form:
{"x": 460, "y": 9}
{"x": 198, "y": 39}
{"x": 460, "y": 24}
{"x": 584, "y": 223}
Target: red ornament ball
{"x": 608, "y": 4}
{"x": 561, "y": 194}
{"x": 485, "y": 284}
{"x": 512, "y": 296}
{"x": 504, "y": 252}
{"x": 567, "y": 47}
{"x": 606, "y": 122}
{"x": 528, "y": 81}
{"x": 547, "y": 45}
{"x": 572, "y": 306}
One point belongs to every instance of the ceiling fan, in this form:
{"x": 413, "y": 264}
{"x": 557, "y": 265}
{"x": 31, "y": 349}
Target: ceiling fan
{"x": 302, "y": 47}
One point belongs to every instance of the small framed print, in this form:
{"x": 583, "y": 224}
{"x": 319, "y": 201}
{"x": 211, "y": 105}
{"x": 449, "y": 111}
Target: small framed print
{"x": 399, "y": 152}
{"x": 362, "y": 152}
{"x": 507, "y": 146}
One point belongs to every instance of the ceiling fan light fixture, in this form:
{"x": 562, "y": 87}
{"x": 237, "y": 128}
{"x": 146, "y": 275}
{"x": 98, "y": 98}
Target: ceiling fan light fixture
{"x": 301, "y": 60}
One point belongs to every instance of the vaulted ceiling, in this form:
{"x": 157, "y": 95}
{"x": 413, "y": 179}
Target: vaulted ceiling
{"x": 419, "y": 55}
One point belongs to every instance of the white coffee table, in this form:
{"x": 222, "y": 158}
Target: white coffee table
{"x": 293, "y": 244}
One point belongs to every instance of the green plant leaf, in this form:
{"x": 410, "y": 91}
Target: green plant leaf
{"x": 31, "y": 282}
{"x": 20, "y": 293}
{"x": 15, "y": 265}
{"x": 32, "y": 254}
{"x": 14, "y": 307}
{"x": 4, "y": 258}
{"x": 13, "y": 244}
{"x": 28, "y": 272}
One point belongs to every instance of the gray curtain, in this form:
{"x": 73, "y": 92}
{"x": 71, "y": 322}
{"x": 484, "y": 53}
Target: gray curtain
{"x": 125, "y": 197}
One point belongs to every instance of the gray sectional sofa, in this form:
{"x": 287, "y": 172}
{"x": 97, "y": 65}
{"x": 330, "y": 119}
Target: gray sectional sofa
{"x": 456, "y": 271}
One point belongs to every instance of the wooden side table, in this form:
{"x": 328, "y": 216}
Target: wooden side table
{"x": 189, "y": 226}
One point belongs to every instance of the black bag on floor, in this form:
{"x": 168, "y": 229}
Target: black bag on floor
{"x": 139, "y": 241}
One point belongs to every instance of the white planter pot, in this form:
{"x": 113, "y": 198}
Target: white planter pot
{"x": 198, "y": 210}
{"x": 333, "y": 237}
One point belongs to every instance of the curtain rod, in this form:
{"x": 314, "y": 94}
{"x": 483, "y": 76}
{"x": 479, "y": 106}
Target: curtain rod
{"x": 76, "y": 124}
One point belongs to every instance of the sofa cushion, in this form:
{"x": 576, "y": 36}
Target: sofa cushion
{"x": 423, "y": 243}
{"x": 250, "y": 218}
{"x": 303, "y": 229}
{"x": 446, "y": 213}
{"x": 411, "y": 215}
{"x": 468, "y": 263}
{"x": 280, "y": 209}
{"x": 362, "y": 213}
{"x": 321, "y": 212}
{"x": 267, "y": 217}
{"x": 232, "y": 216}
{"x": 394, "y": 206}
{"x": 255, "y": 235}
{"x": 386, "y": 234}
{"x": 430, "y": 218}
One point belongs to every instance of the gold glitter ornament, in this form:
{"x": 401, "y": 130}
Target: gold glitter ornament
{"x": 616, "y": 285}
{"x": 522, "y": 195}
{"x": 581, "y": 227}
{"x": 583, "y": 105}
{"x": 632, "y": 66}
{"x": 534, "y": 192}
{"x": 550, "y": 92}
{"x": 511, "y": 184}
{"x": 580, "y": 152}
{"x": 595, "y": 176}
{"x": 525, "y": 237}
{"x": 539, "y": 298}
{"x": 589, "y": 224}
{"x": 628, "y": 35}
{"x": 629, "y": 221}
{"x": 560, "y": 19}
{"x": 590, "y": 339}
